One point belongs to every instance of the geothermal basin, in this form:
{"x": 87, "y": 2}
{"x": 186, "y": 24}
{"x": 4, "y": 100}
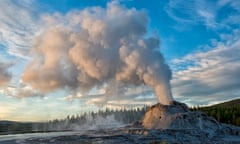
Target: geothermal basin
{"x": 173, "y": 123}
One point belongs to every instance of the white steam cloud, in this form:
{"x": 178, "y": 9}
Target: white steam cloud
{"x": 94, "y": 47}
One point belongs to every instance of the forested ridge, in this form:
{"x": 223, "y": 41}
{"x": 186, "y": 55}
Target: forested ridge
{"x": 227, "y": 112}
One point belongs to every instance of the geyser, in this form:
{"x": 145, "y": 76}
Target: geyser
{"x": 177, "y": 116}
{"x": 175, "y": 123}
{"x": 90, "y": 48}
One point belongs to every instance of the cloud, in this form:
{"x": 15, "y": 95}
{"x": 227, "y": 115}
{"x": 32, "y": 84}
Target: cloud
{"x": 129, "y": 104}
{"x": 21, "y": 91}
{"x": 132, "y": 95}
{"x": 213, "y": 73}
{"x": 5, "y": 75}
{"x": 191, "y": 12}
{"x": 72, "y": 97}
{"x": 212, "y": 14}
{"x": 18, "y": 26}
{"x": 98, "y": 47}
{"x": 181, "y": 12}
{"x": 209, "y": 74}
{"x": 140, "y": 94}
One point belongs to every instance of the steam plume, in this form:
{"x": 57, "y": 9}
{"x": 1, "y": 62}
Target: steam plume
{"x": 93, "y": 47}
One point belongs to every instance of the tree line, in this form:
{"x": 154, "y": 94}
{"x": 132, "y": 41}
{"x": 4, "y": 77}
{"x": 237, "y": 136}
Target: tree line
{"x": 229, "y": 114}
{"x": 101, "y": 119}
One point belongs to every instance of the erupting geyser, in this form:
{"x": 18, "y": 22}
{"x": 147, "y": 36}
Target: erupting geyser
{"x": 90, "y": 48}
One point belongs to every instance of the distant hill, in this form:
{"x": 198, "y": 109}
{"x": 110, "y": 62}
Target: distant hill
{"x": 12, "y": 127}
{"x": 231, "y": 103}
{"x": 226, "y": 112}
{"x": 6, "y": 122}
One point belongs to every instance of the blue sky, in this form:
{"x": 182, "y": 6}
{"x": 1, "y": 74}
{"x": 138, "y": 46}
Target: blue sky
{"x": 199, "y": 39}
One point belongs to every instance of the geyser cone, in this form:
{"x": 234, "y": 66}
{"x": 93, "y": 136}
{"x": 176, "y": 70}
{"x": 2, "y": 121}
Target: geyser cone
{"x": 177, "y": 116}
{"x": 162, "y": 116}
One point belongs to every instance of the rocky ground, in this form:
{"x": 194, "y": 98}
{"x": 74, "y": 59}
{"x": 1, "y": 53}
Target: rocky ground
{"x": 124, "y": 135}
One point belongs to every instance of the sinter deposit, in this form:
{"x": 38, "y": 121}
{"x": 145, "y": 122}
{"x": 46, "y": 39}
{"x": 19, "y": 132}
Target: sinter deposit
{"x": 177, "y": 116}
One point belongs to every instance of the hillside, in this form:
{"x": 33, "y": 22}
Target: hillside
{"x": 231, "y": 103}
{"x": 9, "y": 127}
{"x": 226, "y": 112}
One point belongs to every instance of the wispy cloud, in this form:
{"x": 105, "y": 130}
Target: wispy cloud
{"x": 20, "y": 91}
{"x": 211, "y": 74}
{"x": 131, "y": 96}
{"x": 203, "y": 12}
{"x": 17, "y": 26}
